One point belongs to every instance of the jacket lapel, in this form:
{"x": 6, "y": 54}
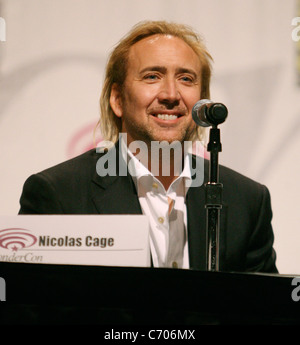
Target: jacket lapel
{"x": 116, "y": 194}
{"x": 118, "y": 197}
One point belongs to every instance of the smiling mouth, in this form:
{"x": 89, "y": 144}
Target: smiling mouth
{"x": 167, "y": 117}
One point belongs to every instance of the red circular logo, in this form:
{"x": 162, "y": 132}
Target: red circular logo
{"x": 16, "y": 238}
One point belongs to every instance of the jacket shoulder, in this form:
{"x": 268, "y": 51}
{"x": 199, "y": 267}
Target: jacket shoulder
{"x": 63, "y": 188}
{"x": 239, "y": 181}
{"x": 83, "y": 163}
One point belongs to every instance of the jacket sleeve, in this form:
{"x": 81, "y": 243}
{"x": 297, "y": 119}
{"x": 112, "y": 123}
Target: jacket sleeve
{"x": 39, "y": 196}
{"x": 261, "y": 256}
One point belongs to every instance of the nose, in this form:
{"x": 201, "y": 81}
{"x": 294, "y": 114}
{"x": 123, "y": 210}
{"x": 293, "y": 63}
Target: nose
{"x": 169, "y": 94}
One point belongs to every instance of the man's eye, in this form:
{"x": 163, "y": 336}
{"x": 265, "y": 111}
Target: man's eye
{"x": 187, "y": 79}
{"x": 151, "y": 76}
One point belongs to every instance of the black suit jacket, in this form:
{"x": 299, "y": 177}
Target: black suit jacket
{"x": 246, "y": 235}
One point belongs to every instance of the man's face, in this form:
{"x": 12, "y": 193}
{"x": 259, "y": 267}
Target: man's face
{"x": 161, "y": 87}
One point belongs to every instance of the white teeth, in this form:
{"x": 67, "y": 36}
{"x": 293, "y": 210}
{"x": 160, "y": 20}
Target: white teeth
{"x": 167, "y": 117}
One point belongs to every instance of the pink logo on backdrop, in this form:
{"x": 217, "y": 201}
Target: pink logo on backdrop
{"x": 16, "y": 238}
{"x": 82, "y": 140}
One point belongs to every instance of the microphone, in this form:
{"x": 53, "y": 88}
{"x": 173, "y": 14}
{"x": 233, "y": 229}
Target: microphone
{"x": 206, "y": 113}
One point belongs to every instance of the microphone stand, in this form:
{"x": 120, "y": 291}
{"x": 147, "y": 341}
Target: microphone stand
{"x": 206, "y": 113}
{"x": 213, "y": 201}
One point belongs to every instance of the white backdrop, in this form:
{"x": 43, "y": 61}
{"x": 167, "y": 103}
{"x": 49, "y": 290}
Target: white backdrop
{"x": 51, "y": 72}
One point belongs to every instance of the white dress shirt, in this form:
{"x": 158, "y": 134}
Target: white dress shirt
{"x": 166, "y": 211}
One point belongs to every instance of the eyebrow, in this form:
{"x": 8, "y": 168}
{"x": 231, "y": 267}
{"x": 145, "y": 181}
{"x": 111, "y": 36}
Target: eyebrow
{"x": 163, "y": 69}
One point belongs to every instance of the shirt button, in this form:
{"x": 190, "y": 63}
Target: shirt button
{"x": 174, "y": 264}
{"x": 161, "y": 219}
{"x": 155, "y": 185}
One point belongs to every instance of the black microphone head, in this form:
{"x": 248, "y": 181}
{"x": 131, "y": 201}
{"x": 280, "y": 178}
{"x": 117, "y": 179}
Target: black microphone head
{"x": 217, "y": 113}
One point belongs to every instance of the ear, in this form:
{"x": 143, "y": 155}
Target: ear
{"x": 115, "y": 100}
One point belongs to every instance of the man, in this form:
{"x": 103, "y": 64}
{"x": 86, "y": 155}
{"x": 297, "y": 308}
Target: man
{"x": 154, "y": 77}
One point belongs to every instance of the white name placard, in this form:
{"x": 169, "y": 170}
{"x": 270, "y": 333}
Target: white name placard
{"x": 101, "y": 240}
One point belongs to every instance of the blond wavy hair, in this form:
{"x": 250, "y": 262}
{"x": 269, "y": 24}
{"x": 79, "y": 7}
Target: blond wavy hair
{"x": 109, "y": 123}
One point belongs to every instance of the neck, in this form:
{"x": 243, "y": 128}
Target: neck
{"x": 164, "y": 160}
{"x": 165, "y": 164}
